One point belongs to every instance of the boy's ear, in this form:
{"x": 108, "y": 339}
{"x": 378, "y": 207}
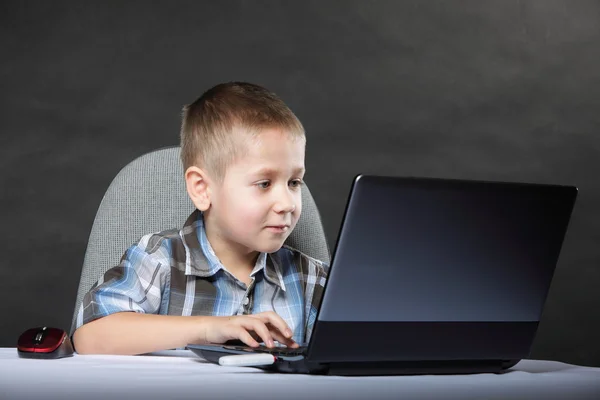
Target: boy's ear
{"x": 197, "y": 185}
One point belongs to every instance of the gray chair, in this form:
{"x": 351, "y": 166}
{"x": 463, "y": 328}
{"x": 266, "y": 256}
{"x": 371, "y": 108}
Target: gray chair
{"x": 148, "y": 195}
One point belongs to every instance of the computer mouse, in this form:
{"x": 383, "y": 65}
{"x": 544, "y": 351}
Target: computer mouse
{"x": 44, "y": 342}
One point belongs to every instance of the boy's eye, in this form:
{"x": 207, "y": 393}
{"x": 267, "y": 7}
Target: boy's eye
{"x": 263, "y": 184}
{"x": 296, "y": 183}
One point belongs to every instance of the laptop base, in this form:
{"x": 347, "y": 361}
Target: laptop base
{"x": 300, "y": 365}
{"x": 420, "y": 367}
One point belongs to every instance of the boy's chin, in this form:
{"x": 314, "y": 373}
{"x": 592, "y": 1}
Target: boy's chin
{"x": 269, "y": 247}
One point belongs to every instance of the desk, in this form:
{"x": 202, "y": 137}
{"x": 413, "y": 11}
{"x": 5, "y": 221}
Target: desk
{"x": 179, "y": 374}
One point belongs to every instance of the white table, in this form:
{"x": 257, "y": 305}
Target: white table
{"x": 183, "y": 375}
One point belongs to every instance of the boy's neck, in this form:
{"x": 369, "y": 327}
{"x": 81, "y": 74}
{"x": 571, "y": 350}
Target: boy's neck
{"x": 237, "y": 259}
{"x": 240, "y": 266}
{"x": 237, "y": 263}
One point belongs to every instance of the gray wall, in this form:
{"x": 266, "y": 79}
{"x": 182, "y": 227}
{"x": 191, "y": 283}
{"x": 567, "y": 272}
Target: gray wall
{"x": 499, "y": 90}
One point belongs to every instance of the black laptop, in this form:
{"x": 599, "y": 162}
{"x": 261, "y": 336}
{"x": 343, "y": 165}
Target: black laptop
{"x": 432, "y": 276}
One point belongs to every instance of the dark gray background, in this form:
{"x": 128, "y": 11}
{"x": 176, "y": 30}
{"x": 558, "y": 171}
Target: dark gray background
{"x": 499, "y": 90}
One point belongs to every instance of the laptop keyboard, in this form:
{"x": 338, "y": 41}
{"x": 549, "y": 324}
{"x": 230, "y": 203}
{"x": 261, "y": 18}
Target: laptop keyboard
{"x": 276, "y": 351}
{"x": 280, "y": 350}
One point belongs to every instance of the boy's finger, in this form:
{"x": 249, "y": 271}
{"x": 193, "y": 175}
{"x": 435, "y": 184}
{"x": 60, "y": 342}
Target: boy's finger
{"x": 277, "y": 322}
{"x": 260, "y": 329}
{"x": 283, "y": 340}
{"x": 247, "y": 338}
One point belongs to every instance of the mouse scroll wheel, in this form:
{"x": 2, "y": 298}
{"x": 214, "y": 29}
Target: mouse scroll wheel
{"x": 40, "y": 336}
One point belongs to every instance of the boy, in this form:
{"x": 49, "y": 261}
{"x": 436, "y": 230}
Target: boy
{"x": 225, "y": 274}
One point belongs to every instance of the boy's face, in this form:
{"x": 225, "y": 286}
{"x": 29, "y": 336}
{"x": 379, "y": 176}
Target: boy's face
{"x": 258, "y": 204}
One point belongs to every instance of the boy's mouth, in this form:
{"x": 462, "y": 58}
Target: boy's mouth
{"x": 278, "y": 228}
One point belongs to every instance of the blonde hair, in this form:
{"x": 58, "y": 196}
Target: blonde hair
{"x": 208, "y": 138}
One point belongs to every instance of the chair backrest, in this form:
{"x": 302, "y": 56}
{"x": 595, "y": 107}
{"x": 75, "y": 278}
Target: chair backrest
{"x": 148, "y": 195}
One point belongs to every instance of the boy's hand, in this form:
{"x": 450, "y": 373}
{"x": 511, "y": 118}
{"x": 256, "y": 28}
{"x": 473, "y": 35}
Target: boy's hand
{"x": 266, "y": 326}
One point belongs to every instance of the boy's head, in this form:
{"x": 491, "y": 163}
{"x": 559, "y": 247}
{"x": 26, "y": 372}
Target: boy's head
{"x": 242, "y": 150}
{"x": 214, "y": 126}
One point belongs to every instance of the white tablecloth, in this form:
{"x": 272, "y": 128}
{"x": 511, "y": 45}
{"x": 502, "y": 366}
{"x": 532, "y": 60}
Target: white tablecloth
{"x": 183, "y": 375}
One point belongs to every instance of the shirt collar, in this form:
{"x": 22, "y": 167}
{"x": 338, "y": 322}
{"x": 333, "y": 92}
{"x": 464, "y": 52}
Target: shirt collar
{"x": 202, "y": 261}
{"x": 273, "y": 270}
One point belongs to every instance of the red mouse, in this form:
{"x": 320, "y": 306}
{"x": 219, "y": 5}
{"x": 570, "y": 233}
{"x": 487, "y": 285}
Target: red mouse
{"x": 44, "y": 342}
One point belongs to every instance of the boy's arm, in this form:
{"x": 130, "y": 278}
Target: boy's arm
{"x": 134, "y": 333}
{"x": 131, "y": 333}
{"x": 136, "y": 286}
{"x": 120, "y": 315}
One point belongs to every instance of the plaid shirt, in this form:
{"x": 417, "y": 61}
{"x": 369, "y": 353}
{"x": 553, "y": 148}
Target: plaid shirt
{"x": 177, "y": 273}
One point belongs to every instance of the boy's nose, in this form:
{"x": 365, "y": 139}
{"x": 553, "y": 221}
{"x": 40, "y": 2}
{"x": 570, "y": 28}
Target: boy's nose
{"x": 285, "y": 207}
{"x": 285, "y": 203}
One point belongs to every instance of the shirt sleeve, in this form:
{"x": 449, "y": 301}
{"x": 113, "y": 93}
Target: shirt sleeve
{"x": 137, "y": 284}
{"x": 316, "y": 279}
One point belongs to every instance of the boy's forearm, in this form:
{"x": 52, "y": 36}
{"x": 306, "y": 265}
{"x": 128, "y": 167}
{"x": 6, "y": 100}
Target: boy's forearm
{"x": 134, "y": 333}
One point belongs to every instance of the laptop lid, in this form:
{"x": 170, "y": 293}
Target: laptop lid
{"x": 435, "y": 269}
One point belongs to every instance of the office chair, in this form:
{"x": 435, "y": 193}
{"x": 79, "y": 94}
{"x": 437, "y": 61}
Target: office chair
{"x": 148, "y": 195}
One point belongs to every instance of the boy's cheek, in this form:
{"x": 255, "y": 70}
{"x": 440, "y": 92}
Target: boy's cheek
{"x": 249, "y": 217}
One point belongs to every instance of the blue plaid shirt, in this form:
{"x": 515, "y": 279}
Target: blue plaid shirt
{"x": 176, "y": 272}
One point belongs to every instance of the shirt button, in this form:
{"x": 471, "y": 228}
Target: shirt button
{"x": 246, "y": 301}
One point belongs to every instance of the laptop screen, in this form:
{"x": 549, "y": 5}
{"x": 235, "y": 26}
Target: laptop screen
{"x": 414, "y": 249}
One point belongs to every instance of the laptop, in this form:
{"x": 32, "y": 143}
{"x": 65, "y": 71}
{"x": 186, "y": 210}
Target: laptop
{"x": 431, "y": 276}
